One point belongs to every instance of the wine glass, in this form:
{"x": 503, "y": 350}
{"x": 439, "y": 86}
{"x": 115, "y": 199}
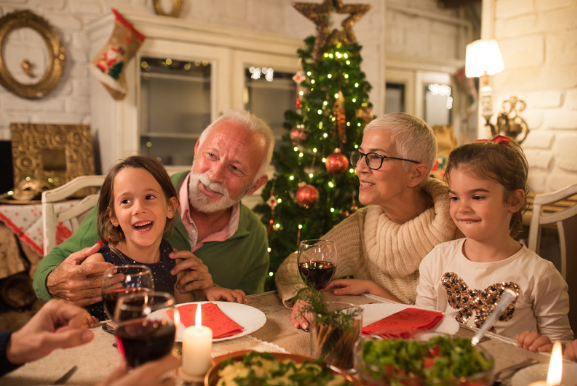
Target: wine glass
{"x": 317, "y": 262}
{"x": 132, "y": 278}
{"x": 144, "y": 331}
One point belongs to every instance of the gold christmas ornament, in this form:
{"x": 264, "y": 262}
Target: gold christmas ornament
{"x": 320, "y": 15}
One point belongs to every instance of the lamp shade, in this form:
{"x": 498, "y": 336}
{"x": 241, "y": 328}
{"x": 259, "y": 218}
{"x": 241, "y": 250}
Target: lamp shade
{"x": 483, "y": 57}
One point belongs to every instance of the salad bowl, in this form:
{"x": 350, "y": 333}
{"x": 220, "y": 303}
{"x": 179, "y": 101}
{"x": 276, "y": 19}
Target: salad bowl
{"x": 421, "y": 358}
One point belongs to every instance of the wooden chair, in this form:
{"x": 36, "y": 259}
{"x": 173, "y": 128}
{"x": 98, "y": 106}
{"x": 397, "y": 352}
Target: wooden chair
{"x": 75, "y": 213}
{"x": 559, "y": 208}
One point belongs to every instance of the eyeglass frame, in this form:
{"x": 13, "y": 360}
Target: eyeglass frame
{"x": 382, "y": 157}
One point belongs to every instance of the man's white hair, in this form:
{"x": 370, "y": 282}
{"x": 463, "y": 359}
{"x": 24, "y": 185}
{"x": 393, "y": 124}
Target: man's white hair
{"x": 253, "y": 123}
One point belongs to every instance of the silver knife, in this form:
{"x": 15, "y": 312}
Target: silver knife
{"x": 62, "y": 380}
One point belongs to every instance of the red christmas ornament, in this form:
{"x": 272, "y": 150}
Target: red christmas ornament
{"x": 337, "y": 162}
{"x": 307, "y": 195}
{"x": 299, "y": 134}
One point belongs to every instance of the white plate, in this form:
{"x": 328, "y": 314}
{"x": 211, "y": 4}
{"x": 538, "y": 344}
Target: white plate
{"x": 539, "y": 371}
{"x": 249, "y": 317}
{"x": 377, "y": 311}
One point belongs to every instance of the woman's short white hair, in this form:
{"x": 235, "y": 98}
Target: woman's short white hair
{"x": 253, "y": 123}
{"x": 412, "y": 137}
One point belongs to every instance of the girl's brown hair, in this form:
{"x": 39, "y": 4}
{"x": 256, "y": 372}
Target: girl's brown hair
{"x": 502, "y": 161}
{"x": 110, "y": 234}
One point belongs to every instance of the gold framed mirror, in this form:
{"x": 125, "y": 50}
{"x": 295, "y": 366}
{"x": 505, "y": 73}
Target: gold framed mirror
{"x": 174, "y": 12}
{"x": 54, "y": 153}
{"x": 56, "y": 55}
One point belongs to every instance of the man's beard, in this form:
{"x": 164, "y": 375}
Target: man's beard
{"x": 201, "y": 202}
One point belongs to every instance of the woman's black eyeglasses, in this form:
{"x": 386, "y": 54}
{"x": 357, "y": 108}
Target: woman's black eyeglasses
{"x": 374, "y": 161}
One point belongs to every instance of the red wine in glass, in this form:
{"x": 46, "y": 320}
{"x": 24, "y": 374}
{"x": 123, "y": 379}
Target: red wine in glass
{"x": 143, "y": 340}
{"x": 318, "y": 273}
{"x": 111, "y": 298}
{"x": 144, "y": 331}
{"x": 317, "y": 262}
{"x": 130, "y": 279}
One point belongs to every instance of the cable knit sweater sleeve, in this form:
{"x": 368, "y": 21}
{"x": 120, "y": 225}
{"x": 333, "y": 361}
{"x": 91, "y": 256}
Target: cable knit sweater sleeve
{"x": 350, "y": 257}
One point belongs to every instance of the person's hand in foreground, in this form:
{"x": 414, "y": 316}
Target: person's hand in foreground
{"x": 571, "y": 350}
{"x": 533, "y": 341}
{"x": 56, "y": 325}
{"x": 75, "y": 282}
{"x": 219, "y": 293}
{"x": 149, "y": 374}
{"x": 196, "y": 275}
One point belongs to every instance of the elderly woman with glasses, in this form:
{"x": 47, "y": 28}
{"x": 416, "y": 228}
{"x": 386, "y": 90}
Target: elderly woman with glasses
{"x": 406, "y": 215}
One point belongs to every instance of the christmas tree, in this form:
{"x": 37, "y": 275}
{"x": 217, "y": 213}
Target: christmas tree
{"x": 314, "y": 188}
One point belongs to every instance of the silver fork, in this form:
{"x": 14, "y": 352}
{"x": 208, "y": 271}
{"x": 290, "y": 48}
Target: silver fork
{"x": 509, "y": 371}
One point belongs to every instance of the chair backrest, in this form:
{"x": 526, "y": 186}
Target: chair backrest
{"x": 560, "y": 209}
{"x": 50, "y": 197}
{"x": 552, "y": 208}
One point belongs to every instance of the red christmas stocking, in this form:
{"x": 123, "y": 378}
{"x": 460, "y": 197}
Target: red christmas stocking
{"x": 109, "y": 63}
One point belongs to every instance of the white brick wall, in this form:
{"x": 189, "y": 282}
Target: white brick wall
{"x": 538, "y": 40}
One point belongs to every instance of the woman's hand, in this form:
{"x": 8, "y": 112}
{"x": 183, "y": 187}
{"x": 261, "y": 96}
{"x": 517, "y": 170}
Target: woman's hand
{"x": 350, "y": 286}
{"x": 533, "y": 341}
{"x": 299, "y": 318}
{"x": 220, "y": 293}
{"x": 357, "y": 287}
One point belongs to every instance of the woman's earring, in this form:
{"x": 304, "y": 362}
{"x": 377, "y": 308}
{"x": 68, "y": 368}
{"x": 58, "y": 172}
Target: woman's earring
{"x": 170, "y": 215}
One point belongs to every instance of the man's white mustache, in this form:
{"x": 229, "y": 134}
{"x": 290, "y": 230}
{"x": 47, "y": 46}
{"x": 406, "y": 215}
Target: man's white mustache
{"x": 214, "y": 186}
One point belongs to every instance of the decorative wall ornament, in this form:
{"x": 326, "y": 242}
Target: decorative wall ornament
{"x": 509, "y": 122}
{"x": 56, "y": 55}
{"x": 54, "y": 153}
{"x": 176, "y": 8}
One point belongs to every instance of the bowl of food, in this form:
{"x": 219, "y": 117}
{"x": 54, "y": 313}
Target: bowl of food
{"x": 421, "y": 358}
{"x": 256, "y": 368}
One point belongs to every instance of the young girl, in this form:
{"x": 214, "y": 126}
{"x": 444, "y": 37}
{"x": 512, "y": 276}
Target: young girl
{"x": 136, "y": 208}
{"x": 465, "y": 278}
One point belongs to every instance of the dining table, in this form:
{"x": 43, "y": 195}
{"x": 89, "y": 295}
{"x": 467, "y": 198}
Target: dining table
{"x": 94, "y": 361}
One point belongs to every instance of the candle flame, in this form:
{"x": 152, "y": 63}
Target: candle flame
{"x": 198, "y": 320}
{"x": 176, "y": 318}
{"x": 555, "y": 372}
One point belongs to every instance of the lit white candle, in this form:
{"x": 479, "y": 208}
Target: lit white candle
{"x": 555, "y": 372}
{"x": 196, "y": 347}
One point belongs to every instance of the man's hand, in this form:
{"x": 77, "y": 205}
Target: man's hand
{"x": 56, "y": 325}
{"x": 149, "y": 374}
{"x": 75, "y": 282}
{"x": 195, "y": 273}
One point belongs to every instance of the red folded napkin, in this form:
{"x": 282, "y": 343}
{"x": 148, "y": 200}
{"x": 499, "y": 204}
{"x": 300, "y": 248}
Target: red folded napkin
{"x": 212, "y": 317}
{"x": 407, "y": 319}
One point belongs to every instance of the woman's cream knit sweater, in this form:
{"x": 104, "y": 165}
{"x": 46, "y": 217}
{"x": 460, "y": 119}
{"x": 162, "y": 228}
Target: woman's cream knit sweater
{"x": 371, "y": 246}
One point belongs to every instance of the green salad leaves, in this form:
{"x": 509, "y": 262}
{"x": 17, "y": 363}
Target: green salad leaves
{"x": 440, "y": 358}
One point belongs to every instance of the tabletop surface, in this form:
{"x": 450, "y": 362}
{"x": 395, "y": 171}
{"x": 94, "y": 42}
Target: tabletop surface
{"x": 96, "y": 359}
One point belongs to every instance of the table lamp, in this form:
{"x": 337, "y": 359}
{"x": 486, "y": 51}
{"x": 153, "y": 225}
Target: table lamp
{"x": 483, "y": 59}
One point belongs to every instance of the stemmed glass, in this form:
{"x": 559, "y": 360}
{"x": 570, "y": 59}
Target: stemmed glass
{"x": 144, "y": 331}
{"x": 132, "y": 278}
{"x": 317, "y": 262}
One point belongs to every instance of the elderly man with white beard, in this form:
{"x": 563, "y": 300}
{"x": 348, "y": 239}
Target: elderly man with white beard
{"x": 220, "y": 240}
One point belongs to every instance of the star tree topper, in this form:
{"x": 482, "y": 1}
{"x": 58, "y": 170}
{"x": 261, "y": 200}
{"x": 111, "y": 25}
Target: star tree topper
{"x": 320, "y": 15}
